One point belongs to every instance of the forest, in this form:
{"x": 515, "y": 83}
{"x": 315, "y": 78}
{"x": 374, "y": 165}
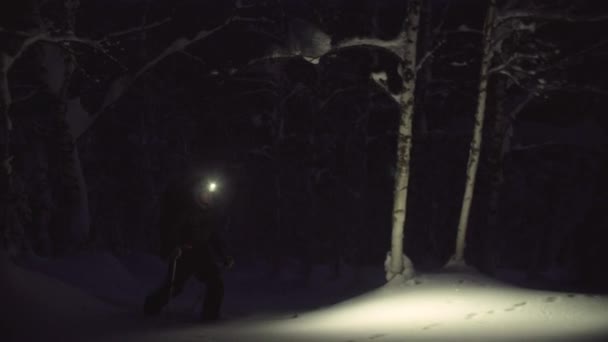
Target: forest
{"x": 342, "y": 133}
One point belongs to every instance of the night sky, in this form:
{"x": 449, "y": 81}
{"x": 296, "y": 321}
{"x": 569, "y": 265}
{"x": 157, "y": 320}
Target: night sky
{"x": 304, "y": 144}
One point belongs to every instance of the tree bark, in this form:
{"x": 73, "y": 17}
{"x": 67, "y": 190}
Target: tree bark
{"x": 75, "y": 227}
{"x": 5, "y": 171}
{"x": 474, "y": 151}
{"x": 404, "y": 140}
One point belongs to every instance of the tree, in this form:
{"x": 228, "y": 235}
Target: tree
{"x": 517, "y": 57}
{"x": 475, "y": 148}
{"x": 57, "y": 43}
{"x": 396, "y": 263}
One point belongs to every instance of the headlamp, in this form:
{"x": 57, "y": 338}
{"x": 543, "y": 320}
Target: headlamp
{"x": 212, "y": 186}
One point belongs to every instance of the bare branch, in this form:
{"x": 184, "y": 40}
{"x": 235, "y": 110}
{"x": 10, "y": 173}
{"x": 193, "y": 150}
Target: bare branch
{"x": 520, "y": 106}
{"x": 338, "y": 93}
{"x": 193, "y": 57}
{"x": 512, "y": 60}
{"x": 139, "y": 29}
{"x": 26, "y": 44}
{"x": 120, "y": 85}
{"x": 512, "y": 78}
{"x": 181, "y": 44}
{"x": 257, "y": 81}
{"x": 25, "y": 97}
{"x": 548, "y": 16}
{"x": 429, "y": 54}
{"x": 576, "y": 88}
{"x": 568, "y": 58}
{"x": 462, "y": 29}
{"x": 257, "y": 92}
{"x": 444, "y": 16}
{"x": 533, "y": 146}
{"x": 61, "y": 39}
{"x": 297, "y": 89}
{"x": 16, "y": 33}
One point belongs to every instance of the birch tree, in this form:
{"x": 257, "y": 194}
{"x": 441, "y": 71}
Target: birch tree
{"x": 475, "y": 147}
{"x": 60, "y": 46}
{"x": 6, "y": 157}
{"x": 517, "y": 57}
{"x": 531, "y": 66}
{"x": 397, "y": 265}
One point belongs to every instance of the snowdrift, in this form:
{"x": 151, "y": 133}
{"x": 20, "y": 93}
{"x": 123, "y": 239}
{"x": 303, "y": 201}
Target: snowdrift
{"x": 36, "y": 307}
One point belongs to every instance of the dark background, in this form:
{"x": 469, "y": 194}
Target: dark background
{"x": 306, "y": 151}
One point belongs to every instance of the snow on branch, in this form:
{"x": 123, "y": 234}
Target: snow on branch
{"x": 182, "y": 43}
{"x": 120, "y": 85}
{"x": 62, "y": 39}
{"x": 395, "y": 45}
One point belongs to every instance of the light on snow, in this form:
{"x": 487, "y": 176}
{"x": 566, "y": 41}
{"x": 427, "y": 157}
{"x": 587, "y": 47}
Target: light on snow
{"x": 450, "y": 308}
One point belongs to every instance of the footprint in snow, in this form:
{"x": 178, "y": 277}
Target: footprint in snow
{"x": 515, "y": 306}
{"x": 431, "y": 326}
{"x": 471, "y": 315}
{"x": 551, "y": 299}
{"x": 490, "y": 312}
{"x": 373, "y": 337}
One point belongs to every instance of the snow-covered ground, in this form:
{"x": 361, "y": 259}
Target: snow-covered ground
{"x": 99, "y": 299}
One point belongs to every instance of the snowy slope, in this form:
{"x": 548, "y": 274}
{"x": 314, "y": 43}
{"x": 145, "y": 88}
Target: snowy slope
{"x": 35, "y": 307}
{"x": 448, "y": 306}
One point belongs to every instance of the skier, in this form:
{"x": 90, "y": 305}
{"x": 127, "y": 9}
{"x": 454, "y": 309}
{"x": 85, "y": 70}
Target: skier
{"x": 191, "y": 242}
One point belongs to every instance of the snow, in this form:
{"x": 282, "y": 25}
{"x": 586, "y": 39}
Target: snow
{"x": 394, "y": 45}
{"x": 459, "y": 64}
{"x": 406, "y": 274}
{"x": 456, "y": 304}
{"x": 36, "y": 306}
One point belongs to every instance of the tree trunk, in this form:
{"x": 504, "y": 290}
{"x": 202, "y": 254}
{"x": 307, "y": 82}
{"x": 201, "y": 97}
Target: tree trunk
{"x": 404, "y": 142}
{"x": 60, "y": 67}
{"x": 5, "y": 170}
{"x": 473, "y": 162}
{"x": 427, "y": 71}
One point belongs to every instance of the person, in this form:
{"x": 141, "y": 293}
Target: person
{"x": 190, "y": 241}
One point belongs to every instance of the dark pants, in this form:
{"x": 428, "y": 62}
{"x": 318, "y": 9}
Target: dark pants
{"x": 200, "y": 263}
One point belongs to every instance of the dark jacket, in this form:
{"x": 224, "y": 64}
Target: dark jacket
{"x": 185, "y": 224}
{"x": 199, "y": 228}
